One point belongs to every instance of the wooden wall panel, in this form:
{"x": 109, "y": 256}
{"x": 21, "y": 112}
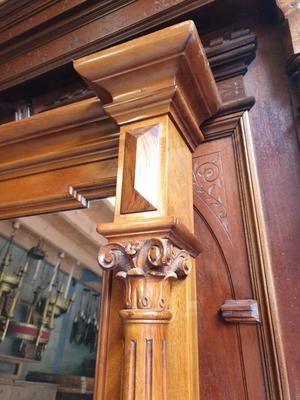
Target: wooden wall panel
{"x": 277, "y": 154}
{"x": 231, "y": 365}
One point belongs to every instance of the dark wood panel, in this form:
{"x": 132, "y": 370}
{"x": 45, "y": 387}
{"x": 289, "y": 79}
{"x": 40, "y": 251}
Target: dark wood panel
{"x": 231, "y": 363}
{"x": 277, "y": 157}
{"x": 36, "y": 54}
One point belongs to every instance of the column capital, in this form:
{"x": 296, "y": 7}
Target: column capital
{"x": 166, "y": 72}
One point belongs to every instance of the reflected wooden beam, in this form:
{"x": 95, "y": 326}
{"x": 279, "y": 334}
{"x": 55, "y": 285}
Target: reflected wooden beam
{"x": 63, "y": 237}
{"x": 79, "y": 138}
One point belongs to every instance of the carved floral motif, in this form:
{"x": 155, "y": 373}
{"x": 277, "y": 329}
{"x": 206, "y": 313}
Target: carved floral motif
{"x": 209, "y": 185}
{"x": 146, "y": 267}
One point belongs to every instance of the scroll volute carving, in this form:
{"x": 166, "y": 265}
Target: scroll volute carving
{"x": 147, "y": 268}
{"x": 147, "y": 265}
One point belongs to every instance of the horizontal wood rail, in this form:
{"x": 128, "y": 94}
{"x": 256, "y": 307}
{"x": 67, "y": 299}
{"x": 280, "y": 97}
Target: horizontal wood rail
{"x": 79, "y": 139}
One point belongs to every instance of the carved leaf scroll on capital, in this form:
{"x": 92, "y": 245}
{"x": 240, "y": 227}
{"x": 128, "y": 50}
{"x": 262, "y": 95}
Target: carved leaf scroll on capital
{"x": 146, "y": 267}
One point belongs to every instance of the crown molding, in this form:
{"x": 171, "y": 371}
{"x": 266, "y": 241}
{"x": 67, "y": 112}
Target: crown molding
{"x": 160, "y": 71}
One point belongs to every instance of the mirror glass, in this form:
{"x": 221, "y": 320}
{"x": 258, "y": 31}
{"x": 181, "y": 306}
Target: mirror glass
{"x": 50, "y": 295}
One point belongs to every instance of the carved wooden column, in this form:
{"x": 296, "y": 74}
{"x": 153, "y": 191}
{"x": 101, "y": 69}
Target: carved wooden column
{"x": 159, "y": 89}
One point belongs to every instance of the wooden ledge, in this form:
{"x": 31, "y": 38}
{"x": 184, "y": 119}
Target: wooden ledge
{"x": 71, "y": 116}
{"x": 164, "y": 72}
{"x": 162, "y": 227}
{"x": 70, "y": 135}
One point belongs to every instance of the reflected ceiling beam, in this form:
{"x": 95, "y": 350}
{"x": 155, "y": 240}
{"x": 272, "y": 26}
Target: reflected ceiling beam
{"x": 41, "y": 226}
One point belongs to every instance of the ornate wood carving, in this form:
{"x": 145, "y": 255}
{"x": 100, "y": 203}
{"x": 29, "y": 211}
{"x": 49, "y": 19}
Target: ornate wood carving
{"x": 240, "y": 311}
{"x": 147, "y": 268}
{"x": 168, "y": 85}
{"x": 209, "y": 186}
{"x": 155, "y": 254}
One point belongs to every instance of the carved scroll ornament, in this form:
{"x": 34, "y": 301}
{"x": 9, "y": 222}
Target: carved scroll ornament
{"x": 146, "y": 267}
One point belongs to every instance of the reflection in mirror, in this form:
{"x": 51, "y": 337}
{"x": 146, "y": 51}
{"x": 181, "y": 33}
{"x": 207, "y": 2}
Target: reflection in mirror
{"x": 50, "y": 294}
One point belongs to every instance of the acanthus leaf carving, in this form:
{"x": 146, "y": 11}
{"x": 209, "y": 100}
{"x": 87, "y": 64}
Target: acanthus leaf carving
{"x": 146, "y": 268}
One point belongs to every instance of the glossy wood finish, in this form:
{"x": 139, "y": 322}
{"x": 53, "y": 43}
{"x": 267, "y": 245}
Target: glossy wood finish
{"x": 163, "y": 82}
{"x": 253, "y": 362}
{"x": 79, "y": 139}
{"x": 155, "y": 68}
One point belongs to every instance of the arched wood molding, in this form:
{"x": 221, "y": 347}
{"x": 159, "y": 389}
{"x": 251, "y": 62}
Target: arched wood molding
{"x": 158, "y": 89}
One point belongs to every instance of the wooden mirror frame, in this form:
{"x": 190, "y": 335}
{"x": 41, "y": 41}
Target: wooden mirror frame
{"x": 135, "y": 142}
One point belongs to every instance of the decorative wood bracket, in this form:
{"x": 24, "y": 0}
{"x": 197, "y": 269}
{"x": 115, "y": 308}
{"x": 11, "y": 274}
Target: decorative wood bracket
{"x": 229, "y": 56}
{"x": 240, "y": 311}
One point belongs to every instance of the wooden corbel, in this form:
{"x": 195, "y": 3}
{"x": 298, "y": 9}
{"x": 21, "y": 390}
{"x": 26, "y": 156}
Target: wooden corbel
{"x": 158, "y": 89}
{"x": 244, "y": 311}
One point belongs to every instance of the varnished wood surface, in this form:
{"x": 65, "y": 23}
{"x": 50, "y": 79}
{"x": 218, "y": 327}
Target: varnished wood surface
{"x": 179, "y": 332}
{"x": 58, "y": 138}
{"x": 74, "y": 147}
{"x": 155, "y": 68}
{"x": 231, "y": 363}
{"x": 152, "y": 84}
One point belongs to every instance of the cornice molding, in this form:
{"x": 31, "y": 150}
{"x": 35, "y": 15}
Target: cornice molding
{"x": 165, "y": 72}
{"x": 229, "y": 55}
{"x": 35, "y": 55}
{"x": 67, "y": 136}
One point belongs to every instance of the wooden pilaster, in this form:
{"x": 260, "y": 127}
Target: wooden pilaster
{"x": 158, "y": 89}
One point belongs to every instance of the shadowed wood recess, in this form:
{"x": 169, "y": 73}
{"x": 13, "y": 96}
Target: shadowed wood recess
{"x": 158, "y": 89}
